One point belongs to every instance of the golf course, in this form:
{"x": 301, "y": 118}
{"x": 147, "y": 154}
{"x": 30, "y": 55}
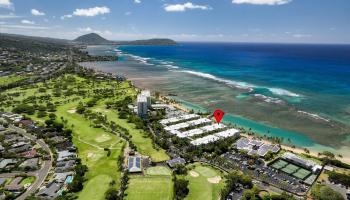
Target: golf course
{"x": 205, "y": 182}
{"x": 65, "y": 94}
{"x": 156, "y": 184}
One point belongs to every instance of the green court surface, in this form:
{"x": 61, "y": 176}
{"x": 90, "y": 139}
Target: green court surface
{"x": 279, "y": 164}
{"x": 302, "y": 173}
{"x": 158, "y": 170}
{"x": 290, "y": 168}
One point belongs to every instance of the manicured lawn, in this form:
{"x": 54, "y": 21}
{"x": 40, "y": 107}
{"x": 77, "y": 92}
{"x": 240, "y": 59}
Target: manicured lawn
{"x": 204, "y": 183}
{"x": 5, "y": 80}
{"x": 90, "y": 143}
{"x": 102, "y": 169}
{"x": 155, "y": 187}
{"x": 28, "y": 180}
{"x": 139, "y": 138}
{"x": 158, "y": 170}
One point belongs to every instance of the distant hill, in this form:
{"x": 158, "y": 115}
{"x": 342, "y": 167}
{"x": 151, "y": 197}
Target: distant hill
{"x": 31, "y": 43}
{"x": 95, "y": 39}
{"x": 91, "y": 38}
{"x": 23, "y": 41}
{"x": 155, "y": 41}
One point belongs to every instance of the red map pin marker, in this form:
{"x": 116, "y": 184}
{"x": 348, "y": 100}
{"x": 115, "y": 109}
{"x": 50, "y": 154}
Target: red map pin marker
{"x": 218, "y": 114}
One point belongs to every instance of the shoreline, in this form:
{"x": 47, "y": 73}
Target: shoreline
{"x": 296, "y": 150}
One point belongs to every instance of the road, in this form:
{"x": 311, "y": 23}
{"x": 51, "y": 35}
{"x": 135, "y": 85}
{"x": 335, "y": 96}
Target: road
{"x": 39, "y": 174}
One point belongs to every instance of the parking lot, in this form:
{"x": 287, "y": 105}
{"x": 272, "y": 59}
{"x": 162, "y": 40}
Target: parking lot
{"x": 265, "y": 173}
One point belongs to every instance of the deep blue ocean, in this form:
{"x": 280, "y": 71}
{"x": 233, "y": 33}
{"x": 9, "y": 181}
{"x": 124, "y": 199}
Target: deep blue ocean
{"x": 313, "y": 77}
{"x": 295, "y": 91}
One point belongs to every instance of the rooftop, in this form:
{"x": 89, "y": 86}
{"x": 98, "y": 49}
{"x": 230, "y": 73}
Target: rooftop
{"x": 134, "y": 164}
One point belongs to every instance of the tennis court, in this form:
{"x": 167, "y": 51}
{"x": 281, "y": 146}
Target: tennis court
{"x": 302, "y": 173}
{"x": 279, "y": 164}
{"x": 290, "y": 168}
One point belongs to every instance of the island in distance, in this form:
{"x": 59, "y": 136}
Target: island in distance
{"x": 95, "y": 39}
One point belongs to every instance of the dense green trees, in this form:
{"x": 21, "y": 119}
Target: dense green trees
{"x": 234, "y": 178}
{"x": 181, "y": 188}
{"x": 323, "y": 192}
{"x": 339, "y": 178}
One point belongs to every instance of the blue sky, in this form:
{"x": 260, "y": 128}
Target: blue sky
{"x": 296, "y": 21}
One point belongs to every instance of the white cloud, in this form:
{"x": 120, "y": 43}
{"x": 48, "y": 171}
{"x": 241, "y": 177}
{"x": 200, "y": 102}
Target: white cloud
{"x": 10, "y": 26}
{"x": 36, "y": 12}
{"x": 262, "y": 2}
{"x": 91, "y": 30}
{"x": 184, "y": 7}
{"x": 24, "y": 21}
{"x": 90, "y": 12}
{"x": 9, "y": 16}
{"x": 137, "y": 1}
{"x": 6, "y": 4}
{"x": 65, "y": 16}
{"x": 128, "y": 13}
{"x": 298, "y": 35}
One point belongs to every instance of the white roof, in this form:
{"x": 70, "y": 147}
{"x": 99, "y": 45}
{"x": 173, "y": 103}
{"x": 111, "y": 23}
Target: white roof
{"x": 141, "y": 98}
{"x": 213, "y": 127}
{"x": 227, "y": 133}
{"x": 187, "y": 124}
{"x": 146, "y": 93}
{"x": 191, "y": 133}
{"x": 179, "y": 118}
{"x": 201, "y": 130}
{"x": 205, "y": 140}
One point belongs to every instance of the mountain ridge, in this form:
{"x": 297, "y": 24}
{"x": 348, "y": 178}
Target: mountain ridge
{"x": 95, "y": 39}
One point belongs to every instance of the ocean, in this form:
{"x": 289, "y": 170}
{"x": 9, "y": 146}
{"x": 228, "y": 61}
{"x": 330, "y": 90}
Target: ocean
{"x": 294, "y": 91}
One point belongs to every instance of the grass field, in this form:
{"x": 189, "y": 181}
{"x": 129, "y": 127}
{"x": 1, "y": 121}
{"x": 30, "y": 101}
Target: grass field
{"x": 27, "y": 181}
{"x": 199, "y": 185}
{"x": 5, "y": 80}
{"x": 102, "y": 169}
{"x": 139, "y": 138}
{"x": 91, "y": 141}
{"x": 156, "y": 185}
{"x": 158, "y": 170}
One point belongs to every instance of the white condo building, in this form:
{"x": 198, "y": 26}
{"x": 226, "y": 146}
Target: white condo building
{"x": 142, "y": 106}
{"x": 147, "y": 94}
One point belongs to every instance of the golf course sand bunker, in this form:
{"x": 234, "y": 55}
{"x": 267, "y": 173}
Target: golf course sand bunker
{"x": 215, "y": 179}
{"x": 194, "y": 174}
{"x": 90, "y": 155}
{"x": 71, "y": 111}
{"x": 103, "y": 138}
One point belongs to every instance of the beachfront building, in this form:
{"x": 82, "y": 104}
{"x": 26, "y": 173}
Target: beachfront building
{"x": 147, "y": 94}
{"x": 308, "y": 164}
{"x": 143, "y": 103}
{"x": 256, "y": 147}
{"x": 142, "y": 107}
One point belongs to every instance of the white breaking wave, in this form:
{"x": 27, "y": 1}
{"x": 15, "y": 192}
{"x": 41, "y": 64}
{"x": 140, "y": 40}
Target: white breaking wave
{"x": 315, "y": 116}
{"x": 240, "y": 85}
{"x": 283, "y": 92}
{"x": 269, "y": 99}
{"x": 171, "y": 66}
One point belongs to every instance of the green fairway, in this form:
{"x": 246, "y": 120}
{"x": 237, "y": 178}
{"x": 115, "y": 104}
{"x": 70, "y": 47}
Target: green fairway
{"x": 5, "y": 80}
{"x": 139, "y": 138}
{"x": 102, "y": 169}
{"x": 204, "y": 183}
{"x": 28, "y": 180}
{"x": 90, "y": 141}
{"x": 159, "y": 170}
{"x": 150, "y": 188}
